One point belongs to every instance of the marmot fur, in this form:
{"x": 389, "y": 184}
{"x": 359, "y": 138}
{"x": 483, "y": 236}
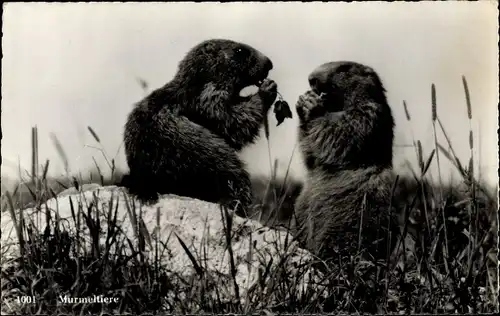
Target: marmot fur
{"x": 346, "y": 137}
{"x": 184, "y": 137}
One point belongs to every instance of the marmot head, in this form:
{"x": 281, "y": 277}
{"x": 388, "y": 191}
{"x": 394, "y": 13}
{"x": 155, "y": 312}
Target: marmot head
{"x": 225, "y": 63}
{"x": 345, "y": 83}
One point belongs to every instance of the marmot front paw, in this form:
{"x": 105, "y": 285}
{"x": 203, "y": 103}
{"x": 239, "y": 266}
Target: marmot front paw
{"x": 307, "y": 103}
{"x": 268, "y": 91}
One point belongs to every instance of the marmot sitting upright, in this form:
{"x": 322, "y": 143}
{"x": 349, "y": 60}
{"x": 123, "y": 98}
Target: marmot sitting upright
{"x": 346, "y": 137}
{"x": 184, "y": 137}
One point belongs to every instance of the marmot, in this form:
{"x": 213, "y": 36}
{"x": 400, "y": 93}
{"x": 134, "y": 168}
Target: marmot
{"x": 346, "y": 138}
{"x": 184, "y": 137}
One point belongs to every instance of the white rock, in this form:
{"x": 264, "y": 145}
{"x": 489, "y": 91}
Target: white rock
{"x": 195, "y": 222}
{"x": 84, "y": 188}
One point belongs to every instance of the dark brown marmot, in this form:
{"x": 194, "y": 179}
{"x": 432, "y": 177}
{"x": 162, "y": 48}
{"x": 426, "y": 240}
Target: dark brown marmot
{"x": 346, "y": 137}
{"x": 184, "y": 137}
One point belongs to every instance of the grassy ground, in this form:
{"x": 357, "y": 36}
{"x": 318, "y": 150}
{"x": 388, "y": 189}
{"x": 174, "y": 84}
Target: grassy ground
{"x": 450, "y": 267}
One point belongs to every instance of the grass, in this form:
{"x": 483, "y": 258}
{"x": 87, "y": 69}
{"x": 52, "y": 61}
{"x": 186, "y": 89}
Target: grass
{"x": 446, "y": 259}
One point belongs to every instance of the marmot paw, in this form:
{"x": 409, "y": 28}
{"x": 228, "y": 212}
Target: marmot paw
{"x": 268, "y": 91}
{"x": 306, "y": 103}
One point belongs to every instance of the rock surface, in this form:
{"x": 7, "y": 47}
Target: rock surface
{"x": 200, "y": 225}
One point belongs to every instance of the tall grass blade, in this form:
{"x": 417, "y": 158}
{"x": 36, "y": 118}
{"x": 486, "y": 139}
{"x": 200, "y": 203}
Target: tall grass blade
{"x": 389, "y": 239}
{"x": 471, "y": 169}
{"x": 428, "y": 162}
{"x": 17, "y": 224}
{"x": 288, "y": 169}
{"x": 420, "y": 156}
{"x": 434, "y": 107}
{"x": 94, "y": 134}
{"x": 228, "y": 227}
{"x": 407, "y": 113}
{"x": 34, "y": 158}
{"x": 266, "y": 127}
{"x": 101, "y": 176}
{"x": 145, "y": 233}
{"x": 360, "y": 229}
{"x": 467, "y": 97}
{"x": 441, "y": 208}
{"x": 60, "y": 151}
{"x": 454, "y": 159}
{"x": 471, "y": 140}
{"x": 45, "y": 170}
{"x": 446, "y": 153}
{"x": 196, "y": 266}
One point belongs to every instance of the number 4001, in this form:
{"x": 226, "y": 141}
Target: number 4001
{"x": 25, "y": 299}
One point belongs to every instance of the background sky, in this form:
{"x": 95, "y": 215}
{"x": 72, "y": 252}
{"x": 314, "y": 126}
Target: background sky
{"x": 68, "y": 66}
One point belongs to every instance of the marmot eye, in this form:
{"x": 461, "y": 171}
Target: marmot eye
{"x": 241, "y": 53}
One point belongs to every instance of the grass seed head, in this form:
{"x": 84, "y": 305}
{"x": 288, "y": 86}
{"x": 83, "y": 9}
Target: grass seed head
{"x": 433, "y": 92}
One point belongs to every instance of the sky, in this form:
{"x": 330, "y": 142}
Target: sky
{"x": 69, "y": 66}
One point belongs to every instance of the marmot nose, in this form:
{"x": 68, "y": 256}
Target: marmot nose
{"x": 268, "y": 64}
{"x": 313, "y": 80}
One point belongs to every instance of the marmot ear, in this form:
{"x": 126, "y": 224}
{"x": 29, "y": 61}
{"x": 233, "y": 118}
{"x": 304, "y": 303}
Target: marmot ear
{"x": 367, "y": 71}
{"x": 343, "y": 68}
{"x": 209, "y": 46}
{"x": 375, "y": 87}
